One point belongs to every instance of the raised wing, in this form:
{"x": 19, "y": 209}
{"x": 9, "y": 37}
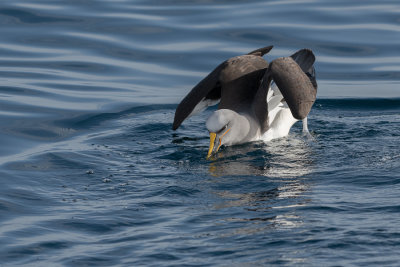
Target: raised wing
{"x": 305, "y": 59}
{"x": 208, "y": 88}
{"x": 295, "y": 85}
{"x": 295, "y": 78}
{"x": 228, "y": 79}
{"x": 261, "y": 51}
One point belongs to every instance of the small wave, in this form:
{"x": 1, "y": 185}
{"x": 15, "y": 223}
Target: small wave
{"x": 368, "y": 104}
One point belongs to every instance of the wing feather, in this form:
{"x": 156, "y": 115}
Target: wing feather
{"x": 208, "y": 88}
{"x": 235, "y": 78}
{"x": 295, "y": 86}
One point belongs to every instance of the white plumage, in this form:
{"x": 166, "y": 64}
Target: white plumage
{"x": 251, "y": 108}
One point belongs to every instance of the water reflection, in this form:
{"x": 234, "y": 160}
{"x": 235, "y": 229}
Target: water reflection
{"x": 285, "y": 158}
{"x": 266, "y": 180}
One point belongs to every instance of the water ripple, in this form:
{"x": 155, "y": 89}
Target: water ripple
{"x": 92, "y": 173}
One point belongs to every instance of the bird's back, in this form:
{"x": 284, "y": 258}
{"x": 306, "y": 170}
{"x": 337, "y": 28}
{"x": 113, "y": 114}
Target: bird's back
{"x": 240, "y": 80}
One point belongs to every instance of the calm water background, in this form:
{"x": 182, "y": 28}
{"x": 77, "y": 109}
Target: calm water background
{"x": 92, "y": 174}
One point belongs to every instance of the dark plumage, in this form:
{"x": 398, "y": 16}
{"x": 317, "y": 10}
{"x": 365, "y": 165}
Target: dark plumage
{"x": 242, "y": 82}
{"x": 242, "y": 86}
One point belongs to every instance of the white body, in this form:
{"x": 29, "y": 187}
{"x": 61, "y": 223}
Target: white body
{"x": 243, "y": 128}
{"x": 280, "y": 117}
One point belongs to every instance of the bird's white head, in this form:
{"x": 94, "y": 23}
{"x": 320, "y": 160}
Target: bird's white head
{"x": 226, "y": 127}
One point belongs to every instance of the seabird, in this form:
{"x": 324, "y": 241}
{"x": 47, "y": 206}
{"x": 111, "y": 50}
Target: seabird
{"x": 257, "y": 100}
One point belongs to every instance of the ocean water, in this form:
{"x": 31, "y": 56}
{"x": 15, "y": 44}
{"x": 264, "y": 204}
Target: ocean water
{"x": 93, "y": 175}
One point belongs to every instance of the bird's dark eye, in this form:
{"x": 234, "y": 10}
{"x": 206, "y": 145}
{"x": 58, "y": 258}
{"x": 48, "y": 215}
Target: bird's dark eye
{"x": 222, "y": 129}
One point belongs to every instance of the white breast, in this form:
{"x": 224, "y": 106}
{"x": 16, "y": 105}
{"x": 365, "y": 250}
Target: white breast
{"x": 280, "y": 117}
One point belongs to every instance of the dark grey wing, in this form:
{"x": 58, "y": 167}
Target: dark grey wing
{"x": 305, "y": 59}
{"x": 240, "y": 80}
{"x": 294, "y": 84}
{"x": 311, "y": 76}
{"x": 236, "y": 74}
{"x": 209, "y": 88}
{"x": 261, "y": 51}
{"x": 260, "y": 104}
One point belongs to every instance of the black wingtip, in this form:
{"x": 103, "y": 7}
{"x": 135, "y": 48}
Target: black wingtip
{"x": 179, "y": 118}
{"x": 176, "y": 124}
{"x": 305, "y": 58}
{"x": 311, "y": 75}
{"x": 261, "y": 51}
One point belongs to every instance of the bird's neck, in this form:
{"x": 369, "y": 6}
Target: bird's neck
{"x": 245, "y": 129}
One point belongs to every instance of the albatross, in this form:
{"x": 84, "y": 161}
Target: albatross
{"x": 257, "y": 100}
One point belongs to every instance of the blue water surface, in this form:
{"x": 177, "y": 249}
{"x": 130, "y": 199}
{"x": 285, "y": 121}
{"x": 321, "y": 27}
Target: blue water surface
{"x": 93, "y": 175}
